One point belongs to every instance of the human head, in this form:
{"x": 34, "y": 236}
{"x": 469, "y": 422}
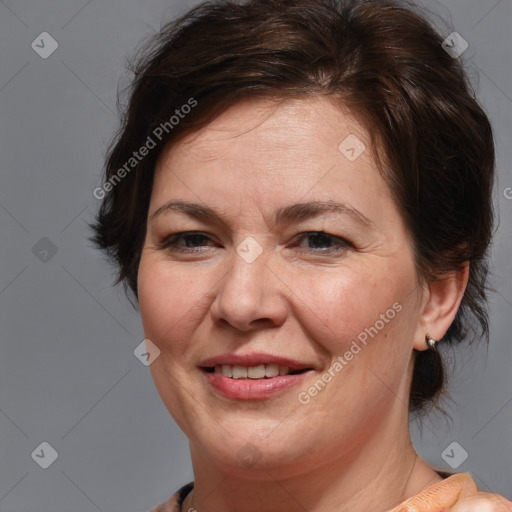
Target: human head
{"x": 382, "y": 63}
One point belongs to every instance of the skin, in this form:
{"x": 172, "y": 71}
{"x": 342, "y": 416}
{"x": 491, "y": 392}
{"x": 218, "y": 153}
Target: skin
{"x": 349, "y": 448}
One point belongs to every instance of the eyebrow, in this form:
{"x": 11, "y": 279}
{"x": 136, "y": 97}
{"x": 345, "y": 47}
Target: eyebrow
{"x": 285, "y": 214}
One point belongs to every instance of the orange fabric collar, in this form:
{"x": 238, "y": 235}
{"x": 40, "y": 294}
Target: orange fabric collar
{"x": 439, "y": 497}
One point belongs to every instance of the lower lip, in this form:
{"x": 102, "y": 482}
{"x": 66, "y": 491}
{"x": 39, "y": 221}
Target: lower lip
{"x": 252, "y": 389}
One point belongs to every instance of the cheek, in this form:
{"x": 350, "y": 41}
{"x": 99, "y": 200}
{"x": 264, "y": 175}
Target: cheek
{"x": 169, "y": 301}
{"x": 363, "y": 323}
{"x": 340, "y": 307}
{"x": 169, "y": 304}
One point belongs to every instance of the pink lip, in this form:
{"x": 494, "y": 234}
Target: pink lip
{"x": 253, "y": 360}
{"x": 252, "y": 389}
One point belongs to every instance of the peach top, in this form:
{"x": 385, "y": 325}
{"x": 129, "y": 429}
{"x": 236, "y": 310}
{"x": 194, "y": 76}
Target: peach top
{"x": 439, "y": 497}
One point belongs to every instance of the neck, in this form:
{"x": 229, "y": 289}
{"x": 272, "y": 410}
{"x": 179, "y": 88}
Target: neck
{"x": 378, "y": 474}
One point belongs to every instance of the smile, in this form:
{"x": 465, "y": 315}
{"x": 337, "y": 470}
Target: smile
{"x": 260, "y": 371}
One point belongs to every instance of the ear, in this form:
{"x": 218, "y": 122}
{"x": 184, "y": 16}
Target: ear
{"x": 441, "y": 301}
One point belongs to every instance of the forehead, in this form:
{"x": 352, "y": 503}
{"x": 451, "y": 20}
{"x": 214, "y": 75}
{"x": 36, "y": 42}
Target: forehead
{"x": 287, "y": 128}
{"x": 260, "y": 155}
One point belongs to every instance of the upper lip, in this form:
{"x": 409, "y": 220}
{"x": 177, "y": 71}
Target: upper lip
{"x": 254, "y": 359}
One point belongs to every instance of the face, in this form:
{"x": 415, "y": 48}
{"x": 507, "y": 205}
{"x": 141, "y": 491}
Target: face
{"x": 270, "y": 244}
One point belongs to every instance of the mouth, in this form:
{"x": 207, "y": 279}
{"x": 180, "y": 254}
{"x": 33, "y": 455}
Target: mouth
{"x": 255, "y": 372}
{"x": 254, "y": 376}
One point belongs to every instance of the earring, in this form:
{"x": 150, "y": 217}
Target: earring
{"x": 431, "y": 342}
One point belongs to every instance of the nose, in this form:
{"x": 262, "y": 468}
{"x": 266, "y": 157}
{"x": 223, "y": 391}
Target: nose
{"x": 250, "y": 295}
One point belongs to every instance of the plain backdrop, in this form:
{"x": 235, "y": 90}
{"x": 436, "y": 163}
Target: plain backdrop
{"x": 68, "y": 373}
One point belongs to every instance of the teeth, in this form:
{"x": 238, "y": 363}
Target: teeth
{"x": 226, "y": 370}
{"x": 259, "y": 371}
{"x": 239, "y": 372}
{"x": 256, "y": 372}
{"x": 272, "y": 370}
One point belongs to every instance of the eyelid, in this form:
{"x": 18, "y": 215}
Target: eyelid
{"x": 171, "y": 242}
{"x": 174, "y": 237}
{"x": 340, "y": 242}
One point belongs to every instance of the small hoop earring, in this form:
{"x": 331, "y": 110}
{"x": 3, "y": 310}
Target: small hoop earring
{"x": 431, "y": 342}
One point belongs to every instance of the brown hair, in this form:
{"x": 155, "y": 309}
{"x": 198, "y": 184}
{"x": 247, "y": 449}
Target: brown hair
{"x": 380, "y": 59}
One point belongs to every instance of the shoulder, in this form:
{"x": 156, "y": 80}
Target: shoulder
{"x": 443, "y": 496}
{"x": 454, "y": 489}
{"x": 173, "y": 504}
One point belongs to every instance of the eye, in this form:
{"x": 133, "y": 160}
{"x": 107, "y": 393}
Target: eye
{"x": 321, "y": 242}
{"x": 185, "y": 241}
{"x": 194, "y": 241}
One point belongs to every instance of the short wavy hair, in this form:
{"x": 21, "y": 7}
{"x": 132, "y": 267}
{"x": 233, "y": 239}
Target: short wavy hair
{"x": 381, "y": 60}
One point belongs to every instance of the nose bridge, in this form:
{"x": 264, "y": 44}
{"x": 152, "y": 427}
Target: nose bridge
{"x": 249, "y": 291}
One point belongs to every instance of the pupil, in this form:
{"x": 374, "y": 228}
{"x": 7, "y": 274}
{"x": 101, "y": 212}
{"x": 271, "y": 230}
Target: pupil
{"x": 321, "y": 238}
{"x": 193, "y": 239}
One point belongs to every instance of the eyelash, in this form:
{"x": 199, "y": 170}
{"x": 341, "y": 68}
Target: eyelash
{"x": 171, "y": 242}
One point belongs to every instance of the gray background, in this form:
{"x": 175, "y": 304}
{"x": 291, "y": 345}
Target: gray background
{"x": 68, "y": 375}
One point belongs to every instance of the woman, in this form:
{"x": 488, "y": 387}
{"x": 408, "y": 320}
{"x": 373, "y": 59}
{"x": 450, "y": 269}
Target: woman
{"x": 300, "y": 201}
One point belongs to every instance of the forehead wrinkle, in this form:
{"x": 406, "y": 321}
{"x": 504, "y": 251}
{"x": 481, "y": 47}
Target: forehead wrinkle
{"x": 204, "y": 135}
